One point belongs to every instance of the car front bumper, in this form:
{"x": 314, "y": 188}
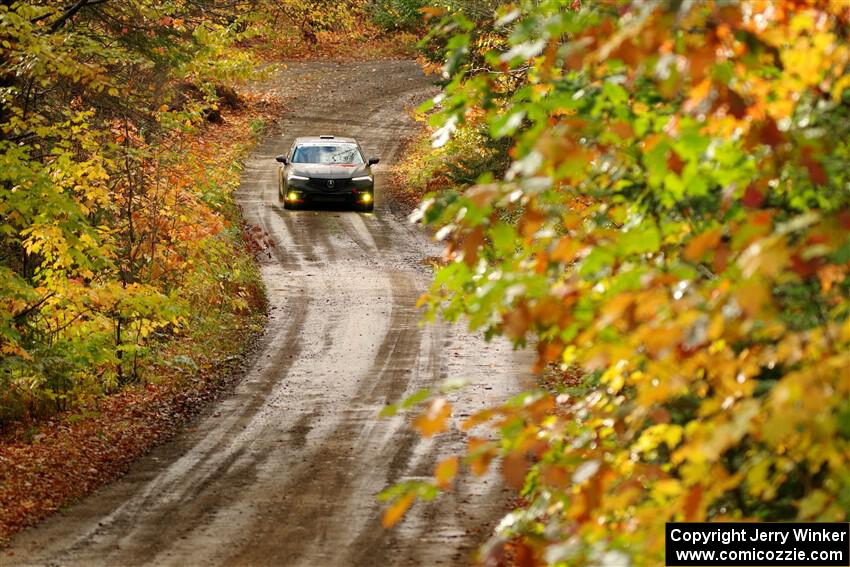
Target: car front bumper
{"x": 301, "y": 190}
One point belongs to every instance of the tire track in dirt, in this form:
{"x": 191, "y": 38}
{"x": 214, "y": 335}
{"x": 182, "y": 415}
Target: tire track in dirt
{"x": 286, "y": 470}
{"x": 398, "y": 344}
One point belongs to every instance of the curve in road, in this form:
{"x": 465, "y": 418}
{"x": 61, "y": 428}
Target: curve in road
{"x": 285, "y": 471}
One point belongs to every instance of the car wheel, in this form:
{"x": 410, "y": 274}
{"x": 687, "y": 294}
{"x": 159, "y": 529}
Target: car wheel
{"x": 365, "y": 208}
{"x": 289, "y": 206}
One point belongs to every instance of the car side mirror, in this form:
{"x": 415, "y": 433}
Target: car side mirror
{"x": 281, "y": 159}
{"x": 373, "y": 160}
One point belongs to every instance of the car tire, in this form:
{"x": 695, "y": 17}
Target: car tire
{"x": 365, "y": 208}
{"x": 289, "y": 206}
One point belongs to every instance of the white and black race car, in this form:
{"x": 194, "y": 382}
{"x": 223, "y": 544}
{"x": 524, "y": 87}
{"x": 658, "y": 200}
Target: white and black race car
{"x": 326, "y": 169}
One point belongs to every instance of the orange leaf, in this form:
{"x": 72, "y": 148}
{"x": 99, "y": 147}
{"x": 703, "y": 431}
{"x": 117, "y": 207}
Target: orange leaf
{"x": 432, "y": 12}
{"x": 555, "y": 476}
{"x": 477, "y": 419}
{"x": 692, "y": 502}
{"x": 531, "y": 221}
{"x": 517, "y": 321}
{"x": 482, "y": 195}
{"x": 622, "y": 129}
{"x": 472, "y": 241}
{"x": 721, "y": 259}
{"x": 698, "y": 94}
{"x": 523, "y": 556}
{"x": 565, "y": 250}
{"x": 701, "y": 59}
{"x": 830, "y": 275}
{"x": 544, "y": 405}
{"x": 481, "y": 453}
{"x": 675, "y": 163}
{"x": 514, "y": 469}
{"x": 433, "y": 420}
{"x": 396, "y": 511}
{"x": 702, "y": 242}
{"x": 446, "y": 470}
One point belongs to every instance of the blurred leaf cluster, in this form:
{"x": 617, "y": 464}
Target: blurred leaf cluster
{"x": 673, "y": 235}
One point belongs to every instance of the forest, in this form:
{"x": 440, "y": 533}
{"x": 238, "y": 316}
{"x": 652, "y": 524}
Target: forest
{"x": 652, "y": 196}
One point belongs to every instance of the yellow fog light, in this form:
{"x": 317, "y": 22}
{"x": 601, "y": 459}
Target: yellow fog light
{"x": 292, "y": 196}
{"x": 366, "y": 198}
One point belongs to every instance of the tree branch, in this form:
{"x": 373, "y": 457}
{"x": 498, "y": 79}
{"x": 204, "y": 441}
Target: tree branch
{"x": 20, "y": 316}
{"x": 72, "y": 11}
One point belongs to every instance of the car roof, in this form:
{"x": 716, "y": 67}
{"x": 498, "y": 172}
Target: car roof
{"x": 323, "y": 140}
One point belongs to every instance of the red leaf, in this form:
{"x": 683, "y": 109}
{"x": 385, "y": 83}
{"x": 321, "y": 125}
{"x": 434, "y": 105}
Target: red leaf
{"x": 816, "y": 171}
{"x": 804, "y": 268}
{"x": 770, "y": 134}
{"x": 733, "y": 103}
{"x": 753, "y": 198}
{"x": 675, "y": 163}
{"x": 523, "y": 555}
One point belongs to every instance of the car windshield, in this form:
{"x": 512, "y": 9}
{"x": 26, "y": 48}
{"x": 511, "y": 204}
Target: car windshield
{"x": 336, "y": 153}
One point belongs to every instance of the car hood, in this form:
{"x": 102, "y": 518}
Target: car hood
{"x": 326, "y": 171}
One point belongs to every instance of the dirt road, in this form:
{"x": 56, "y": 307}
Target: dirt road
{"x": 285, "y": 471}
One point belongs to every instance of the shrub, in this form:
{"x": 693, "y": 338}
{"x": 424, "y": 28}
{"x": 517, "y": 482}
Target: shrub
{"x": 397, "y": 15}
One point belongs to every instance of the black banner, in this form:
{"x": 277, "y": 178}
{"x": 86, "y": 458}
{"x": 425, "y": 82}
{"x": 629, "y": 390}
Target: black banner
{"x": 812, "y": 544}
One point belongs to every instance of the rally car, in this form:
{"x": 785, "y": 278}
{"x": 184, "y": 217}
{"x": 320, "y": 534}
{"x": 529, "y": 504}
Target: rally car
{"x": 326, "y": 169}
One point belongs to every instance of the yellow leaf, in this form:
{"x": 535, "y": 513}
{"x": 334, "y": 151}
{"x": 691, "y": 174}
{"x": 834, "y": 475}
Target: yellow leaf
{"x": 653, "y": 436}
{"x": 752, "y": 296}
{"x": 668, "y": 488}
{"x": 839, "y": 87}
{"x": 767, "y": 257}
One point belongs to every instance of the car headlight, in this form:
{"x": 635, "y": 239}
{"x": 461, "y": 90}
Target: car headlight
{"x": 362, "y": 178}
{"x": 297, "y": 177}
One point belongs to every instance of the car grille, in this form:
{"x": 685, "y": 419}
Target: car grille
{"x": 323, "y": 184}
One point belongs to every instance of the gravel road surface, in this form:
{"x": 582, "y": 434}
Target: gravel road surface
{"x": 285, "y": 470}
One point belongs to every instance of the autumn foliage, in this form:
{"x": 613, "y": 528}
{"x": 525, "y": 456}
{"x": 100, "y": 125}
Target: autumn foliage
{"x": 673, "y": 235}
{"x": 118, "y": 232}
